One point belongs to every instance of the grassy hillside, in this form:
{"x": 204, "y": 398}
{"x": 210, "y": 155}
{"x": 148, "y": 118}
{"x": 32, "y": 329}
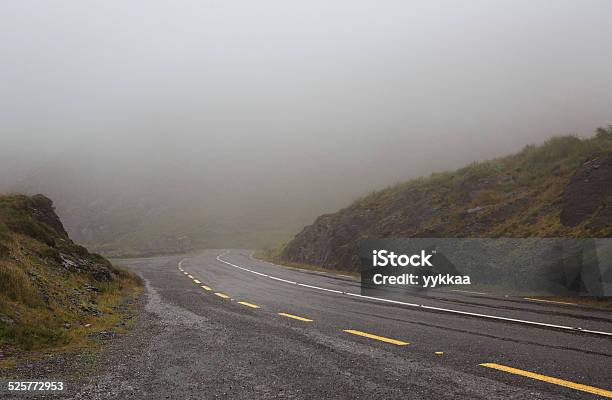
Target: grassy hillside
{"x": 53, "y": 292}
{"x": 562, "y": 188}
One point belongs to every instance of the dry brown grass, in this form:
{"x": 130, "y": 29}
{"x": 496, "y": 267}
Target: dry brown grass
{"x": 45, "y": 305}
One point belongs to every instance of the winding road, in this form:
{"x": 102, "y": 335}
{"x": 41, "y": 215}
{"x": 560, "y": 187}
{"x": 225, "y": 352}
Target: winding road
{"x": 223, "y": 324}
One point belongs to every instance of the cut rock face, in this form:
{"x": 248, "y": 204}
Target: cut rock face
{"x": 589, "y": 189}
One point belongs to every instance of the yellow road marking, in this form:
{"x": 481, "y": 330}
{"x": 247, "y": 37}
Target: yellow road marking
{"x": 205, "y": 287}
{"x": 381, "y": 338}
{"x": 185, "y": 272}
{"x": 190, "y": 276}
{"x": 555, "y": 381}
{"x": 197, "y": 281}
{"x": 244, "y": 303}
{"x": 294, "y": 317}
{"x": 223, "y": 296}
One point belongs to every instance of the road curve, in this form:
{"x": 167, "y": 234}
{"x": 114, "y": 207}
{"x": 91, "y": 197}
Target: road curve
{"x": 222, "y": 324}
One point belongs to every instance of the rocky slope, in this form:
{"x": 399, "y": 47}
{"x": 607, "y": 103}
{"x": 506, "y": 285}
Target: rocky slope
{"x": 562, "y": 188}
{"x": 51, "y": 289}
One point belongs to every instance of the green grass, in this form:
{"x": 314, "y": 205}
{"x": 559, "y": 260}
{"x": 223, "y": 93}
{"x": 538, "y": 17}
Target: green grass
{"x": 41, "y": 301}
{"x": 519, "y": 195}
{"x": 16, "y": 285}
{"x": 540, "y": 171}
{"x": 16, "y": 217}
{"x": 33, "y": 337}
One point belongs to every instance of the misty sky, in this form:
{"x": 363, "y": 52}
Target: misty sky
{"x": 328, "y": 99}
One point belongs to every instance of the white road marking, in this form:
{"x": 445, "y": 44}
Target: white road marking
{"x": 446, "y": 310}
{"x": 320, "y": 288}
{"x": 550, "y": 301}
{"x": 466, "y": 291}
{"x": 282, "y": 280}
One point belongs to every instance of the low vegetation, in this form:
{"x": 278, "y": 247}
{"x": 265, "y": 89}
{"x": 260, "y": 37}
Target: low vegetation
{"x": 274, "y": 255}
{"x": 53, "y": 292}
{"x": 561, "y": 188}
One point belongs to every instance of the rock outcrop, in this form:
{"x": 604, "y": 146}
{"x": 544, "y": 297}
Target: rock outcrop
{"x": 35, "y": 217}
{"x": 589, "y": 190}
{"x": 42, "y": 209}
{"x": 560, "y": 189}
{"x": 51, "y": 289}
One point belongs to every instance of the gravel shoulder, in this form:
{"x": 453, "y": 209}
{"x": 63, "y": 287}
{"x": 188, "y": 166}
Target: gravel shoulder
{"x": 188, "y": 345}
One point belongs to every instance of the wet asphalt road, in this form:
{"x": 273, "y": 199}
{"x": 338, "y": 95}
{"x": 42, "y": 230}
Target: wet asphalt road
{"x": 196, "y": 343}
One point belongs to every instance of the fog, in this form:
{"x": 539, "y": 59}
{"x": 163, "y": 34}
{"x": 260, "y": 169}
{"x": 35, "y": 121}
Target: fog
{"x": 264, "y": 114}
